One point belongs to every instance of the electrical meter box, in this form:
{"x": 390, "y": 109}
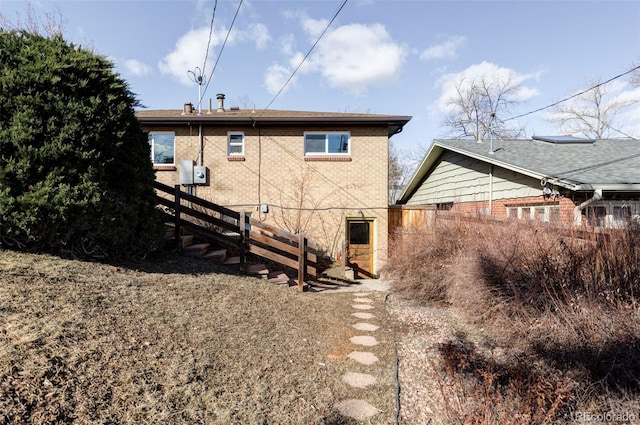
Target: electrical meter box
{"x": 186, "y": 172}
{"x": 199, "y": 174}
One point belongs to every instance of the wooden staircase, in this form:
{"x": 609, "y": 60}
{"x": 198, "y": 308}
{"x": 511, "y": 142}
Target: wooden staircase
{"x": 205, "y": 251}
{"x": 201, "y": 223}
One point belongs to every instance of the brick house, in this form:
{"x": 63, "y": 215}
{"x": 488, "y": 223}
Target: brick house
{"x": 324, "y": 174}
{"x": 553, "y": 179}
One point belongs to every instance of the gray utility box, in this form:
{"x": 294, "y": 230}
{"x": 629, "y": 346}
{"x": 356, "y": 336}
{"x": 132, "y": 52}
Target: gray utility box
{"x": 191, "y": 174}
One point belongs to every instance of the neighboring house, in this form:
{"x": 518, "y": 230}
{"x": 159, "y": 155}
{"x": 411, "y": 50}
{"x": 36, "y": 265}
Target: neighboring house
{"x": 553, "y": 179}
{"x": 324, "y": 174}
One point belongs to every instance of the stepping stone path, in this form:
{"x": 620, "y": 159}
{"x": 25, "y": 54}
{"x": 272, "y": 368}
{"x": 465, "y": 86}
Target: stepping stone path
{"x": 359, "y": 409}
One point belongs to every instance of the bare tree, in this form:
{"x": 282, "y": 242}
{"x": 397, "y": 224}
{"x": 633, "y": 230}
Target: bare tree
{"x": 477, "y": 105}
{"x": 634, "y": 79}
{"x": 398, "y": 172}
{"x": 593, "y": 112}
{"x": 48, "y": 25}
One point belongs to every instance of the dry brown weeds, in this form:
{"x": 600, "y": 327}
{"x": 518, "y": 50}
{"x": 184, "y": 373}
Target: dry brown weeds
{"x": 172, "y": 340}
{"x": 546, "y": 321}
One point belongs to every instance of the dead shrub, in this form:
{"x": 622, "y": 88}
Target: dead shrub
{"x": 420, "y": 262}
{"x": 482, "y": 391}
{"x": 564, "y": 298}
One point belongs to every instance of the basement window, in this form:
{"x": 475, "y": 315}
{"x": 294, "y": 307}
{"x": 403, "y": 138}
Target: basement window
{"x": 163, "y": 145}
{"x": 333, "y": 143}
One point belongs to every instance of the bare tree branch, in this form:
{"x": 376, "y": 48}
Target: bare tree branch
{"x": 593, "y": 113}
{"x": 49, "y": 25}
{"x": 476, "y": 106}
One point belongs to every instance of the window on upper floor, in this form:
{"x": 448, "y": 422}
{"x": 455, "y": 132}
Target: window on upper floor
{"x": 235, "y": 143}
{"x": 333, "y": 143}
{"x": 163, "y": 147}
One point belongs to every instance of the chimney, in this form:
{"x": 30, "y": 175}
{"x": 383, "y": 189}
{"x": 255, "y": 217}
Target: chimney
{"x": 220, "y": 98}
{"x": 187, "y": 109}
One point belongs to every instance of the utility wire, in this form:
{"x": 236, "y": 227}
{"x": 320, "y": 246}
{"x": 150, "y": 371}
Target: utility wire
{"x": 221, "y": 50}
{"x": 307, "y": 55}
{"x": 206, "y": 55}
{"x": 575, "y": 95}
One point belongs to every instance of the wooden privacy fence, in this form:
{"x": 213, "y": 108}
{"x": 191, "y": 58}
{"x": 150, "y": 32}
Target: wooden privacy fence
{"x": 239, "y": 230}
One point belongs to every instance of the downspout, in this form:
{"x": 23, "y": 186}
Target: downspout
{"x": 200, "y": 139}
{"x": 491, "y": 190}
{"x": 577, "y": 211}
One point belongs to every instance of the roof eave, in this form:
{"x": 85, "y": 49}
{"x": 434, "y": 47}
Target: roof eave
{"x": 613, "y": 187}
{"x": 394, "y": 124}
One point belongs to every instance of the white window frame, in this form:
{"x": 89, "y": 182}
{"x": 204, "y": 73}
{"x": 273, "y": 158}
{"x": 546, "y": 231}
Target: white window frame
{"x": 153, "y": 148}
{"x": 614, "y": 208}
{"x": 532, "y": 212}
{"x": 326, "y": 143}
{"x": 231, "y": 143}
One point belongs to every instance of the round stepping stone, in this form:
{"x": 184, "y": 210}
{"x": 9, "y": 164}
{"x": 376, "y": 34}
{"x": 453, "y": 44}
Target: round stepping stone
{"x": 363, "y": 357}
{"x": 362, "y": 300}
{"x": 367, "y": 341}
{"x": 362, "y": 306}
{"x": 359, "y": 380}
{"x": 363, "y": 315}
{"x": 356, "y": 409}
{"x": 365, "y": 327}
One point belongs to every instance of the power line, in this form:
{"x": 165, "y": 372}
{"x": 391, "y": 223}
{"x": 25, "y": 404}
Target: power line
{"x": 221, "y": 49}
{"x": 575, "y": 95}
{"x": 206, "y": 55}
{"x": 307, "y": 55}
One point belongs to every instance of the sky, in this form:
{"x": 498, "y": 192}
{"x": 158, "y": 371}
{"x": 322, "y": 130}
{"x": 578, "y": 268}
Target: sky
{"x": 395, "y": 57}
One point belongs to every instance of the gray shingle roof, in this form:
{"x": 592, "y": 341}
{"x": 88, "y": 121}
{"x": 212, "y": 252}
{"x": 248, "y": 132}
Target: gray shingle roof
{"x": 599, "y": 164}
{"x": 602, "y": 162}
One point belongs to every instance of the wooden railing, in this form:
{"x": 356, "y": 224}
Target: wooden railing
{"x": 239, "y": 230}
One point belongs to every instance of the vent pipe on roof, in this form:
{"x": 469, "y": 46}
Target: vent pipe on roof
{"x": 220, "y": 98}
{"x": 210, "y": 101}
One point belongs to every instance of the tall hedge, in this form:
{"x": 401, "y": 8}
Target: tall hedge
{"x": 75, "y": 165}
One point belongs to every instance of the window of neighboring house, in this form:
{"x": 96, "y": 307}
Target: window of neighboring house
{"x": 444, "y": 206}
{"x": 337, "y": 143}
{"x": 546, "y": 213}
{"x": 612, "y": 213}
{"x": 235, "y": 144}
{"x": 163, "y": 146}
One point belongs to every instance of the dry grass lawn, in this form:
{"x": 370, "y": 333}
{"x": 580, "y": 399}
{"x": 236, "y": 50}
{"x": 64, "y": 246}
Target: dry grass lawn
{"x": 173, "y": 340}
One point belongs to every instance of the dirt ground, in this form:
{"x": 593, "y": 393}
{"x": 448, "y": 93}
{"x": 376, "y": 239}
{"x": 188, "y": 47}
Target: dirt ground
{"x": 177, "y": 340}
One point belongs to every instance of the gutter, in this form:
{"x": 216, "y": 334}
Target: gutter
{"x": 577, "y": 211}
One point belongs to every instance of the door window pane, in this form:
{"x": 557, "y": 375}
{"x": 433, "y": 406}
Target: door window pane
{"x": 359, "y": 233}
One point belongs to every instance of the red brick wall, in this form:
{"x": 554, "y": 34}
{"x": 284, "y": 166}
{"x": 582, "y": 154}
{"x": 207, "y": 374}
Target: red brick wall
{"x": 499, "y": 207}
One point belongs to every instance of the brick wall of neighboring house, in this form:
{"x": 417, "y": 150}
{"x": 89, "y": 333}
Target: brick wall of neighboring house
{"x": 499, "y": 206}
{"x": 274, "y": 171}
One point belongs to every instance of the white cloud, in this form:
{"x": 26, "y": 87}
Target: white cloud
{"x": 137, "y": 68}
{"x": 256, "y": 33}
{"x": 188, "y": 53}
{"x": 445, "y": 50}
{"x": 190, "y": 49}
{"x": 353, "y": 57}
{"x": 314, "y": 27}
{"x": 275, "y": 78}
{"x": 287, "y": 44}
{"x": 488, "y": 72}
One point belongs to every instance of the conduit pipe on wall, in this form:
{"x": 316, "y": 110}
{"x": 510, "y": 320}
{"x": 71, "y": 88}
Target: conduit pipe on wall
{"x": 577, "y": 211}
{"x": 200, "y": 140}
